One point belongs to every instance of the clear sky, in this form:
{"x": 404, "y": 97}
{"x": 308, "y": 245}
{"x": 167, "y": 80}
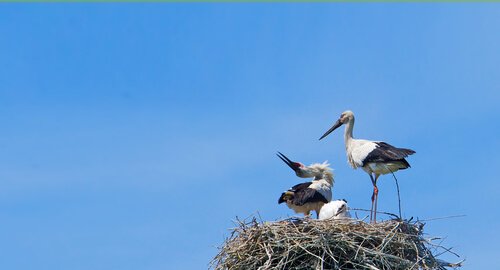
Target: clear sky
{"x": 133, "y": 134}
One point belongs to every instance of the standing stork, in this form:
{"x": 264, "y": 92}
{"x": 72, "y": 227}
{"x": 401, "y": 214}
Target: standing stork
{"x": 376, "y": 158}
{"x": 308, "y": 196}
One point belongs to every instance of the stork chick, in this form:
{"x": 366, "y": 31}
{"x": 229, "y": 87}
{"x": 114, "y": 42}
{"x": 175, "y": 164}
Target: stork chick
{"x": 335, "y": 210}
{"x": 306, "y": 197}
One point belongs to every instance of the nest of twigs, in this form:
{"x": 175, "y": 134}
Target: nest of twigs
{"x": 328, "y": 244}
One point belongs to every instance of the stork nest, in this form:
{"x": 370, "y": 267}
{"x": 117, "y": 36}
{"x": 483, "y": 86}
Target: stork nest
{"x": 328, "y": 244}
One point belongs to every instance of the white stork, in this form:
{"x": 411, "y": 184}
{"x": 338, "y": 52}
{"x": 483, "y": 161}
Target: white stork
{"x": 308, "y": 196}
{"x": 335, "y": 210}
{"x": 376, "y": 158}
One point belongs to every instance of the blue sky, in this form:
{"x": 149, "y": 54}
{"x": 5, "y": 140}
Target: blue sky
{"x": 133, "y": 134}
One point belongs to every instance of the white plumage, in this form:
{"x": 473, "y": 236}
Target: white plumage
{"x": 357, "y": 150}
{"x": 375, "y": 157}
{"x": 337, "y": 209}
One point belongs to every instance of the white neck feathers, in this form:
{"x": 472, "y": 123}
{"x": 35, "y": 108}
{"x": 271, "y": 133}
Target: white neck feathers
{"x": 323, "y": 172}
{"x": 348, "y": 130}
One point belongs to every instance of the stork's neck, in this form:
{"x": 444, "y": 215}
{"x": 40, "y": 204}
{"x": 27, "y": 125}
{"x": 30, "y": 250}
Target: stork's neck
{"x": 327, "y": 176}
{"x": 348, "y": 131}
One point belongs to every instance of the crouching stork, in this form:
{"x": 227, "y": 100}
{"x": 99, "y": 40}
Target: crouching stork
{"x": 337, "y": 209}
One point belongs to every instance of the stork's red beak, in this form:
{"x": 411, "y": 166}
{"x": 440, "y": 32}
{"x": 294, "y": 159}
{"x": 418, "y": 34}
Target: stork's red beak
{"x": 334, "y": 127}
{"x": 294, "y": 165}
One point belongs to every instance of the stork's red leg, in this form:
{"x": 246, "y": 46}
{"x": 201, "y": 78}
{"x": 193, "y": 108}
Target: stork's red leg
{"x": 375, "y": 192}
{"x": 373, "y": 198}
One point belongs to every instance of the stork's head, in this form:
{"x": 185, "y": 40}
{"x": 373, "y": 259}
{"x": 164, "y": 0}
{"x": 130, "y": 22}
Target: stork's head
{"x": 317, "y": 170}
{"x": 297, "y": 167}
{"x": 342, "y": 209}
{"x": 344, "y": 118}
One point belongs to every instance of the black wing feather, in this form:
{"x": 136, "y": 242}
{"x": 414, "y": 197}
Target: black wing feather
{"x": 293, "y": 190}
{"x": 308, "y": 195}
{"x": 302, "y": 194}
{"x": 300, "y": 186}
{"x": 385, "y": 152}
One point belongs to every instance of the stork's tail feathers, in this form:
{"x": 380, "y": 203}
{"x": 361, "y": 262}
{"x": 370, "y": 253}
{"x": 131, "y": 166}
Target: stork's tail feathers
{"x": 404, "y": 164}
{"x": 406, "y": 151}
